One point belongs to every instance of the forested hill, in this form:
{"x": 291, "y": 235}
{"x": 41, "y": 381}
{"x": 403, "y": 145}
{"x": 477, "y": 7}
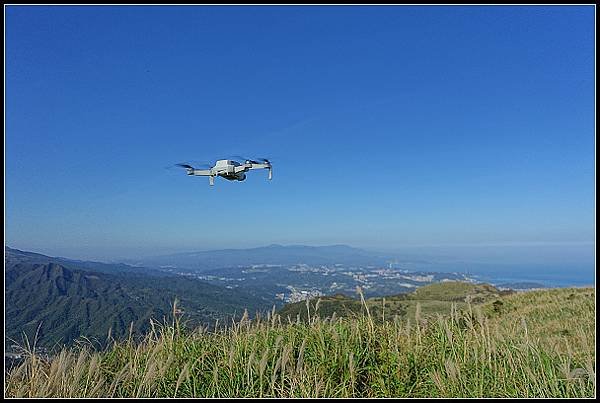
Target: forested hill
{"x": 68, "y": 303}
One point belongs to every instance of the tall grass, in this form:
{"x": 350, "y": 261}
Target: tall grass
{"x": 470, "y": 353}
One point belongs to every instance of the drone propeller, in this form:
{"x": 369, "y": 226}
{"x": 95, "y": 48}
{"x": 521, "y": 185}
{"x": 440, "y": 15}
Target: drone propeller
{"x": 264, "y": 160}
{"x": 244, "y": 159}
{"x": 253, "y": 161}
{"x": 188, "y": 165}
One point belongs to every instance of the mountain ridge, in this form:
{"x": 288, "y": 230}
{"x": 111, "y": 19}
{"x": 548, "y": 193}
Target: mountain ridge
{"x": 69, "y": 302}
{"x": 271, "y": 254}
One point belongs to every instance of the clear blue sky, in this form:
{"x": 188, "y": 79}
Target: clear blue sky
{"x": 387, "y": 126}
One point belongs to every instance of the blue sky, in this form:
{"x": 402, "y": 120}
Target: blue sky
{"x": 388, "y": 127}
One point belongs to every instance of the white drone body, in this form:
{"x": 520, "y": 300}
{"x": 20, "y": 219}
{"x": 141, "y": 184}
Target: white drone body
{"x": 229, "y": 169}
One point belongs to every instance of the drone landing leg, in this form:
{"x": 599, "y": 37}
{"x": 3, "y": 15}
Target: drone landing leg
{"x": 211, "y": 180}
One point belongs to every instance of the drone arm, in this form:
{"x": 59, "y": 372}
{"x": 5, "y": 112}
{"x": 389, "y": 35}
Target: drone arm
{"x": 262, "y": 166}
{"x": 201, "y": 172}
{"x": 242, "y": 168}
{"x": 205, "y": 172}
{"x": 258, "y": 166}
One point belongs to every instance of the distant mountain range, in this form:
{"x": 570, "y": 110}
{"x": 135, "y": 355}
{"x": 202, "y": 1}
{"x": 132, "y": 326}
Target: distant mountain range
{"x": 272, "y": 254}
{"x": 71, "y": 299}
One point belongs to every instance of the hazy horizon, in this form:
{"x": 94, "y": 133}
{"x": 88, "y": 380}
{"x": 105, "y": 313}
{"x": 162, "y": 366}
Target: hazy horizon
{"x": 456, "y": 251}
{"x": 577, "y": 254}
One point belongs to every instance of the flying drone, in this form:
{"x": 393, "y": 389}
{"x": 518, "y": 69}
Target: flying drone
{"x": 230, "y": 169}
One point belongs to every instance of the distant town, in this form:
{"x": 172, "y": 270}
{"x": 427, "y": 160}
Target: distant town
{"x": 298, "y": 282}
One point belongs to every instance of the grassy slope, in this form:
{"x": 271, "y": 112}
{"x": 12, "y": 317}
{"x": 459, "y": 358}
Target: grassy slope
{"x": 561, "y": 320}
{"x": 429, "y": 300}
{"x": 535, "y": 344}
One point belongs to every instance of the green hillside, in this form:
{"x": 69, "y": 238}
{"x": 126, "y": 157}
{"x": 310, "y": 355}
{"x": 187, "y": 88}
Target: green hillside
{"x": 429, "y": 300}
{"x": 531, "y": 344}
{"x": 62, "y": 304}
